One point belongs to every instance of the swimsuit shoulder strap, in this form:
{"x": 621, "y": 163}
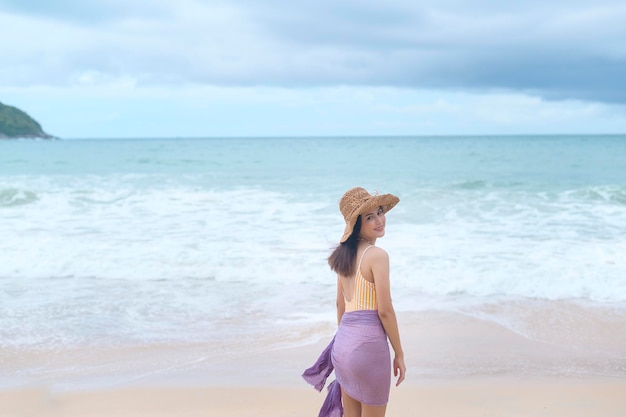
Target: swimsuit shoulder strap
{"x": 362, "y": 256}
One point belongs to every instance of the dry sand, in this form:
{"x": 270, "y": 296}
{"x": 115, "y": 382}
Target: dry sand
{"x": 466, "y": 398}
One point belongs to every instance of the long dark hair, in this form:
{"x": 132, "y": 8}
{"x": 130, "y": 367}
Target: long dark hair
{"x": 342, "y": 259}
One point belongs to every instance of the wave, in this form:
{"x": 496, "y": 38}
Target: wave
{"x": 11, "y": 197}
{"x": 607, "y": 193}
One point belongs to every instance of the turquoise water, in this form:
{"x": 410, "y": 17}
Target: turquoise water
{"x": 129, "y": 241}
{"x": 547, "y": 160}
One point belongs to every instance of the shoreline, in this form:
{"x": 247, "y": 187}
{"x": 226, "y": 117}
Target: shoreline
{"x": 567, "y": 341}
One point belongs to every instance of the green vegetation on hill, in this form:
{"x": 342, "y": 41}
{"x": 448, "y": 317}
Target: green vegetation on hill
{"x": 14, "y": 123}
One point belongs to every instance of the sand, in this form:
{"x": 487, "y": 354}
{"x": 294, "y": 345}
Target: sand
{"x": 467, "y": 398}
{"x": 458, "y": 365}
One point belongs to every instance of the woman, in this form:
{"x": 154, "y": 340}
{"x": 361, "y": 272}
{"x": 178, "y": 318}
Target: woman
{"x": 359, "y": 352}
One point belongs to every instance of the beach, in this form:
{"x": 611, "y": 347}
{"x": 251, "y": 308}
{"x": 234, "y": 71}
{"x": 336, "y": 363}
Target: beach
{"x": 457, "y": 365}
{"x": 467, "y": 398}
{"x": 182, "y": 277}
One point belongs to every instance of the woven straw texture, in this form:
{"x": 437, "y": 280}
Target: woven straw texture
{"x": 357, "y": 201}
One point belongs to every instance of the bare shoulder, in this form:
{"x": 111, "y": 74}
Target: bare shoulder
{"x": 376, "y": 254}
{"x": 378, "y": 251}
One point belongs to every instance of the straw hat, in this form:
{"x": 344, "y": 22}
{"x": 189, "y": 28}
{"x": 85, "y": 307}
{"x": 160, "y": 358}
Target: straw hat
{"x": 357, "y": 201}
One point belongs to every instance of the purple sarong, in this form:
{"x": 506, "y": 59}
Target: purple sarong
{"x": 359, "y": 355}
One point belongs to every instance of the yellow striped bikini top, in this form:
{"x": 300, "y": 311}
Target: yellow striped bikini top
{"x": 364, "y": 294}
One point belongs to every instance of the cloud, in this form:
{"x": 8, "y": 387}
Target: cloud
{"x": 557, "y": 50}
{"x": 247, "y": 67}
{"x": 86, "y": 12}
{"x": 107, "y": 108}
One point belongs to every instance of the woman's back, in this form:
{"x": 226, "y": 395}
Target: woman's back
{"x": 359, "y": 293}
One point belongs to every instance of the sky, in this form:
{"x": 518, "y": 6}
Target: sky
{"x": 197, "y": 68}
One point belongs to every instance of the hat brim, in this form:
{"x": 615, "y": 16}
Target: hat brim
{"x": 386, "y": 201}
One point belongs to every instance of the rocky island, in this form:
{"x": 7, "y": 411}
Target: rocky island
{"x": 14, "y": 124}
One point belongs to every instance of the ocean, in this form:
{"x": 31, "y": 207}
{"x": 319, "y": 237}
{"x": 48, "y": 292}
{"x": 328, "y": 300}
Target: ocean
{"x": 186, "y": 241}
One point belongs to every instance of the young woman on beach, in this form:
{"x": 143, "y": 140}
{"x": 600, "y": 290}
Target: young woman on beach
{"x": 359, "y": 352}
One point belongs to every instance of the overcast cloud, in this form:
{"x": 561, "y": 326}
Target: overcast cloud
{"x": 566, "y": 51}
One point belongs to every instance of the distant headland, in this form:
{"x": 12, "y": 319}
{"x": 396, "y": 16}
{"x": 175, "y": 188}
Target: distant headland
{"x": 16, "y": 124}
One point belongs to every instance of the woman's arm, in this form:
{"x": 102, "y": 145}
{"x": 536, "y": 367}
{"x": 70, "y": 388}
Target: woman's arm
{"x": 341, "y": 303}
{"x": 379, "y": 261}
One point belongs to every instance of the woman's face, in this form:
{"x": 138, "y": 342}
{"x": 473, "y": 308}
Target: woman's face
{"x": 373, "y": 224}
